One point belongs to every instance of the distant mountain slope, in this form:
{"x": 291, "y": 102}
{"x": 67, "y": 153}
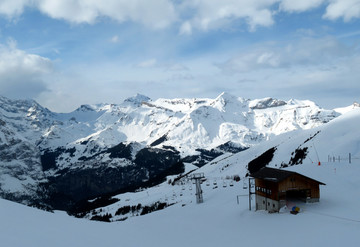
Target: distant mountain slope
{"x": 66, "y": 157}
{"x": 339, "y": 138}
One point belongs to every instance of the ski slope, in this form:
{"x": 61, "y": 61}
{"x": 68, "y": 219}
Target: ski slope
{"x": 219, "y": 221}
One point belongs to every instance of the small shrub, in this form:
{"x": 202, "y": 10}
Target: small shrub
{"x": 104, "y": 218}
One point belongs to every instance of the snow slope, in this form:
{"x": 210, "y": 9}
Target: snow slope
{"x": 219, "y": 221}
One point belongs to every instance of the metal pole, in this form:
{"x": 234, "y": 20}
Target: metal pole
{"x": 199, "y": 198}
{"x": 197, "y": 177}
{"x": 249, "y": 195}
{"x": 349, "y": 158}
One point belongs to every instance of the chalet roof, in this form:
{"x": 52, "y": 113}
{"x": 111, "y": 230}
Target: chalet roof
{"x": 277, "y": 175}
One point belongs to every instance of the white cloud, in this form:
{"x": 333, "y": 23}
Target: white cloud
{"x": 192, "y": 15}
{"x": 13, "y": 8}
{"x": 321, "y": 69}
{"x": 154, "y": 14}
{"x": 185, "y": 28}
{"x": 175, "y": 67}
{"x": 21, "y": 73}
{"x": 346, "y": 9}
{"x": 304, "y": 52}
{"x": 213, "y": 14}
{"x": 299, "y": 5}
{"x": 147, "y": 63}
{"x": 115, "y": 39}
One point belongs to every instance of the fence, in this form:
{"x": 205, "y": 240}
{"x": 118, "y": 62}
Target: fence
{"x": 338, "y": 158}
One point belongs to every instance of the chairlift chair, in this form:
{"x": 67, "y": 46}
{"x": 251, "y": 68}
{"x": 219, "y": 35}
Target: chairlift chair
{"x": 245, "y": 186}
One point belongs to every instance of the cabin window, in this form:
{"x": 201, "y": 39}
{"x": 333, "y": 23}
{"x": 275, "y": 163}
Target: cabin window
{"x": 273, "y": 205}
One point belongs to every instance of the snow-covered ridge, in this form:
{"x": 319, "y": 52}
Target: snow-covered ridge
{"x": 209, "y": 122}
{"x": 188, "y": 124}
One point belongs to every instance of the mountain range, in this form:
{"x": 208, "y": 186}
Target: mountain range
{"x": 61, "y": 160}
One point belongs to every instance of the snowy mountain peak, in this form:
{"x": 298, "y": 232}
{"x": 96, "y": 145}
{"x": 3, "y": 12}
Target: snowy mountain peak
{"x": 17, "y": 106}
{"x": 346, "y": 109}
{"x": 227, "y": 98}
{"x": 85, "y": 108}
{"x": 307, "y": 103}
{"x": 137, "y": 99}
{"x": 227, "y": 102}
{"x": 266, "y": 103}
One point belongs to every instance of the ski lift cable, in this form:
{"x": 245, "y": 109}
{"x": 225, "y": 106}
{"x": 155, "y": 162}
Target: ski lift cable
{"x": 317, "y": 155}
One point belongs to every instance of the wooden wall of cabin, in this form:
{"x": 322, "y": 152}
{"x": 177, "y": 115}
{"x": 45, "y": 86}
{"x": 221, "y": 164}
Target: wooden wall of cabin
{"x": 298, "y": 182}
{"x": 266, "y": 188}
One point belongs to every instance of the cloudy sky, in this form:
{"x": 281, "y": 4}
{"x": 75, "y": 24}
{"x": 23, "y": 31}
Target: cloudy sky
{"x": 64, "y": 53}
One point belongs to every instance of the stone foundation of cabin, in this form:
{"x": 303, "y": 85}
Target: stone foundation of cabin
{"x": 264, "y": 203}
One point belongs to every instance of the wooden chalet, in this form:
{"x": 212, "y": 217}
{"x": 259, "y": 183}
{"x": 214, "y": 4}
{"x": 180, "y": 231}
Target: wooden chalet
{"x": 274, "y": 187}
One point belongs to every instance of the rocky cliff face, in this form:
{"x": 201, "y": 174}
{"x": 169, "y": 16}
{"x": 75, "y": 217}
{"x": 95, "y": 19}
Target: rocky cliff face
{"x": 62, "y": 158}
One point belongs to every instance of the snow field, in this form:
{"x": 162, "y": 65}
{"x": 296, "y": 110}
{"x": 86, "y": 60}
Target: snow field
{"x": 219, "y": 221}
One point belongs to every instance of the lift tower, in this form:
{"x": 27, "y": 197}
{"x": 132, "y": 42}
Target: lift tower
{"x": 197, "y": 177}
